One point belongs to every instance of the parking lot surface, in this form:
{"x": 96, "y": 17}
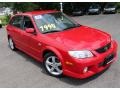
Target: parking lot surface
{"x": 20, "y": 70}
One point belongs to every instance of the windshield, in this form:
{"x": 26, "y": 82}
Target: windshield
{"x": 110, "y": 6}
{"x": 94, "y": 6}
{"x": 54, "y": 22}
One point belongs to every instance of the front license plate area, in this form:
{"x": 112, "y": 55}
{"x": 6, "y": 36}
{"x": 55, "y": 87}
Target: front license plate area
{"x": 108, "y": 59}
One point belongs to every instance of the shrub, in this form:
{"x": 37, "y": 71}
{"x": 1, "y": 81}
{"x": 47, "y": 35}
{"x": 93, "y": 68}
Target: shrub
{"x": 5, "y": 19}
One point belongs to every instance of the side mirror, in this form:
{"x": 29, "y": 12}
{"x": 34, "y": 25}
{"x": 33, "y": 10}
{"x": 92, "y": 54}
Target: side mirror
{"x": 29, "y": 30}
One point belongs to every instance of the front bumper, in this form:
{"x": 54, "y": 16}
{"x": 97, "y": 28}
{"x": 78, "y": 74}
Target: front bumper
{"x": 93, "y": 11}
{"x": 109, "y": 11}
{"x": 94, "y": 64}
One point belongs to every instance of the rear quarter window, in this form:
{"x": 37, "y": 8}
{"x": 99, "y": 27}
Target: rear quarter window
{"x": 16, "y": 21}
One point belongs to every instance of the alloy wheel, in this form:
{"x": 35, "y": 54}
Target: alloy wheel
{"x": 53, "y": 65}
{"x": 11, "y": 44}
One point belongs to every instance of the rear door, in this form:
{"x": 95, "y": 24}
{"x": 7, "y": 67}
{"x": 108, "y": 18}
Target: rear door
{"x": 18, "y": 33}
{"x": 14, "y": 29}
{"x": 24, "y": 36}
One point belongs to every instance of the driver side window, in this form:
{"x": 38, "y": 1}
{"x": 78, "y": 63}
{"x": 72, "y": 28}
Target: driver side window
{"x": 27, "y": 23}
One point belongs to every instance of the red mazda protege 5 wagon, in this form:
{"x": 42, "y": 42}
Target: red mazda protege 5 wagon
{"x": 64, "y": 46}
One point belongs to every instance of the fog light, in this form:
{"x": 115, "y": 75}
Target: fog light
{"x": 85, "y": 69}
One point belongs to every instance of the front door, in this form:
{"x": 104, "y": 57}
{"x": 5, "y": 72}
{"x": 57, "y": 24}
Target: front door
{"x": 32, "y": 43}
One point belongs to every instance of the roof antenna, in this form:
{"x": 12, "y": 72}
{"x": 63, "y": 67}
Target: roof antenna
{"x": 61, "y": 6}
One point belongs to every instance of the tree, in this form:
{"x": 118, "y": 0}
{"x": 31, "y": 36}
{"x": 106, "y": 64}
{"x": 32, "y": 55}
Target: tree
{"x": 23, "y": 7}
{"x": 6, "y": 4}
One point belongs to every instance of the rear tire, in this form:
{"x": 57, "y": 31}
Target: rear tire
{"x": 52, "y": 65}
{"x": 11, "y": 44}
{"x": 0, "y": 25}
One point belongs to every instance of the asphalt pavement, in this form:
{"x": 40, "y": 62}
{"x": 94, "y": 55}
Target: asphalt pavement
{"x": 20, "y": 70}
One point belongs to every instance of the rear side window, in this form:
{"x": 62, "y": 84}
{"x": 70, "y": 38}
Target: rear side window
{"x": 17, "y": 21}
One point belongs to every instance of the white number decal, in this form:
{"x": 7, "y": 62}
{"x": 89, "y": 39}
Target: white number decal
{"x": 47, "y": 27}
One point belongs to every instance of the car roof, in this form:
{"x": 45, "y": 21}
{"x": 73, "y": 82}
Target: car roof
{"x": 33, "y": 13}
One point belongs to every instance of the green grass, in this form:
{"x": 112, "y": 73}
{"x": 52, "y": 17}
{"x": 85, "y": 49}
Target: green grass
{"x": 4, "y": 19}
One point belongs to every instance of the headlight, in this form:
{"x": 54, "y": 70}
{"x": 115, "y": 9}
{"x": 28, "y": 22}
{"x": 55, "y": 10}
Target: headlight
{"x": 96, "y": 9}
{"x": 80, "y": 54}
{"x": 112, "y": 8}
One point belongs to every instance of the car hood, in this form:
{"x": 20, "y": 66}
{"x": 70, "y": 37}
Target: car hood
{"x": 81, "y": 38}
{"x": 93, "y": 9}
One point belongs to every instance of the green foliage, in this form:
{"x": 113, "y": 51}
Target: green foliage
{"x": 118, "y": 4}
{"x": 23, "y": 7}
{"x": 5, "y": 19}
{"x": 6, "y": 4}
{"x": 30, "y": 6}
{"x": 48, "y": 5}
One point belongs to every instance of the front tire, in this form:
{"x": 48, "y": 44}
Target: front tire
{"x": 53, "y": 65}
{"x": 11, "y": 44}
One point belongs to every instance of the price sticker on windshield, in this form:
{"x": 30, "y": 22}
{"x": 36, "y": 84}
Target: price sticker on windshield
{"x": 47, "y": 27}
{"x": 38, "y": 17}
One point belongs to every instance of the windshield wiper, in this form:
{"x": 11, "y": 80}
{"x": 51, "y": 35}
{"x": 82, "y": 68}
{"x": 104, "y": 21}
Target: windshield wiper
{"x": 51, "y": 31}
{"x": 78, "y": 25}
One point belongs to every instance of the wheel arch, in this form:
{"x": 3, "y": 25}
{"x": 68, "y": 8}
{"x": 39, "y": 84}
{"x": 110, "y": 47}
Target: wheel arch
{"x": 52, "y": 50}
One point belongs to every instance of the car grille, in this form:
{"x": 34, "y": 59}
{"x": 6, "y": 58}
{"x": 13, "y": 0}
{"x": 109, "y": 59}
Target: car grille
{"x": 107, "y": 60}
{"x": 104, "y": 49}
